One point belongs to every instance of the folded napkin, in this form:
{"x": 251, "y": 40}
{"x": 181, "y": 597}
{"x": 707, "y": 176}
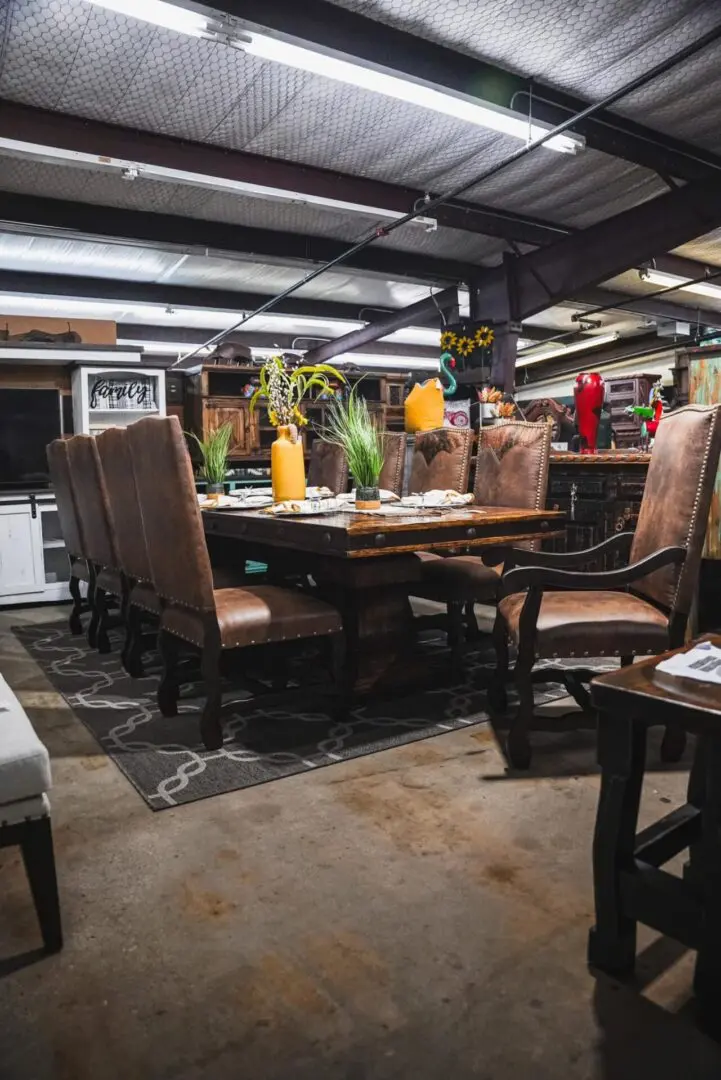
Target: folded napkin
{"x": 437, "y": 498}
{"x": 303, "y": 506}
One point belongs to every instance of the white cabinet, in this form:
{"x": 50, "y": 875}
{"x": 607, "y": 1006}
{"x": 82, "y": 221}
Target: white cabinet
{"x": 34, "y": 565}
{"x": 114, "y": 397}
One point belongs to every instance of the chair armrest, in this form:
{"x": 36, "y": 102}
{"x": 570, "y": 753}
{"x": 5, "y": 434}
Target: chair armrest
{"x": 619, "y": 543}
{"x": 541, "y": 577}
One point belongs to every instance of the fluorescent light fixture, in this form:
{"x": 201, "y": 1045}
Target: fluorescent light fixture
{"x": 566, "y": 350}
{"x": 672, "y": 281}
{"x": 459, "y": 107}
{"x": 133, "y": 170}
{"x": 351, "y": 72}
{"x": 161, "y": 14}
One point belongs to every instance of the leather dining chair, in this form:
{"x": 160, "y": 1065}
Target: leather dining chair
{"x": 94, "y": 513}
{"x": 57, "y": 454}
{"x": 511, "y": 470}
{"x": 394, "y": 462}
{"x": 328, "y": 467}
{"x": 549, "y": 609}
{"x": 441, "y": 460}
{"x": 127, "y": 527}
{"x": 212, "y": 621}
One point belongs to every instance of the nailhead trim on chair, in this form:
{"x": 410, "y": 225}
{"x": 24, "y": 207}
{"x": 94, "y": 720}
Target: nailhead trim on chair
{"x": 265, "y": 641}
{"x": 694, "y": 511}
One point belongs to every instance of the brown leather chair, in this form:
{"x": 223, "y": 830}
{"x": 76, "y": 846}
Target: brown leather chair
{"x": 441, "y": 460}
{"x": 394, "y": 462}
{"x": 91, "y": 499}
{"x": 212, "y": 620}
{"x": 328, "y": 467}
{"x": 511, "y": 470}
{"x": 57, "y": 454}
{"x": 127, "y": 528}
{"x": 642, "y": 608}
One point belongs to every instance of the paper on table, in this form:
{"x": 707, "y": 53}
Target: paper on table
{"x": 702, "y": 663}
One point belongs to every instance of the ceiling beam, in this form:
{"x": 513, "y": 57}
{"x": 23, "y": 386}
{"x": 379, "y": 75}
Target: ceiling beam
{"x": 281, "y": 342}
{"x": 46, "y": 128}
{"x": 396, "y": 320}
{"x": 658, "y": 308}
{"x": 70, "y": 286}
{"x": 555, "y": 273}
{"x": 336, "y": 30}
{"x": 646, "y": 345}
{"x": 86, "y": 220}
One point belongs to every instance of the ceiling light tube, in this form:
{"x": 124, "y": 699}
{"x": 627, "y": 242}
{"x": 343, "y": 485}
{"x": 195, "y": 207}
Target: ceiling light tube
{"x": 459, "y": 107}
{"x": 565, "y": 350}
{"x": 132, "y": 170}
{"x": 673, "y": 281}
{"x": 159, "y": 13}
{"x": 352, "y": 72}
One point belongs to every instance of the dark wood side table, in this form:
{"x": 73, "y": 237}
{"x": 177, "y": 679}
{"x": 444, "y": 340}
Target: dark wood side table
{"x": 629, "y": 884}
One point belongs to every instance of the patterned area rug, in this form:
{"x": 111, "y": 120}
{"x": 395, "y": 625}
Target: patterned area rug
{"x": 164, "y": 758}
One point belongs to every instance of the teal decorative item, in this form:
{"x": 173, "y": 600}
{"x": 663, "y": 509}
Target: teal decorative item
{"x": 447, "y": 363}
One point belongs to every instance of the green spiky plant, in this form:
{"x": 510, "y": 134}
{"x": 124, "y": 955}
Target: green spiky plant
{"x": 350, "y": 425}
{"x": 214, "y": 451}
{"x": 284, "y": 389}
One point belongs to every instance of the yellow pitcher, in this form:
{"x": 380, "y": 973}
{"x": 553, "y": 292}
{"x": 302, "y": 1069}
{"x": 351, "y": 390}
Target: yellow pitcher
{"x": 424, "y": 406}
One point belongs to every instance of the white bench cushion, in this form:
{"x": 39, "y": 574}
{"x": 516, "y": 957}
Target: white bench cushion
{"x": 24, "y": 761}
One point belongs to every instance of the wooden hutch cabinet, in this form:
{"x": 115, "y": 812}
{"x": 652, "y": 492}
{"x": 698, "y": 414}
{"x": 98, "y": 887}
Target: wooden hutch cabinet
{"x": 220, "y": 394}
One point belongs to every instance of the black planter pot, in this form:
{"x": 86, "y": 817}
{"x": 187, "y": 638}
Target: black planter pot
{"x": 367, "y": 498}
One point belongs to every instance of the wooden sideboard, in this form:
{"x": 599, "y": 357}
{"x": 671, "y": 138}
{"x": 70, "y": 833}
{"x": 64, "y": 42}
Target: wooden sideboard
{"x": 600, "y": 494}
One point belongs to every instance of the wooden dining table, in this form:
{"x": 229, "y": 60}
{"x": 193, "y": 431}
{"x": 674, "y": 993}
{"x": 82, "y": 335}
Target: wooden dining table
{"x": 366, "y": 564}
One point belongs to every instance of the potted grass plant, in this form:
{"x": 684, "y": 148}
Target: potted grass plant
{"x": 350, "y": 425}
{"x": 214, "y": 452}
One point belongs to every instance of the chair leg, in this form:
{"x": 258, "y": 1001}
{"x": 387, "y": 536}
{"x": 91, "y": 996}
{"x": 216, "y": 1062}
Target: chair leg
{"x": 133, "y": 650}
{"x": 518, "y": 743}
{"x": 94, "y": 616}
{"x": 621, "y": 755}
{"x": 455, "y": 637}
{"x": 340, "y": 671}
{"x": 211, "y": 729}
{"x": 497, "y": 696}
{"x": 673, "y": 744}
{"x": 39, "y": 858}
{"x": 168, "y": 693}
{"x": 473, "y": 632}
{"x": 101, "y": 612}
{"x": 74, "y": 622}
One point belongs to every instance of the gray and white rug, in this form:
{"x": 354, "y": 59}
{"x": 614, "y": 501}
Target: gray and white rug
{"x": 164, "y": 758}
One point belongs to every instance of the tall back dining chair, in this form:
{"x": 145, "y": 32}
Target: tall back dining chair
{"x": 127, "y": 526}
{"x": 394, "y": 462}
{"x": 441, "y": 460}
{"x": 193, "y": 611}
{"x": 91, "y": 499}
{"x": 511, "y": 471}
{"x": 328, "y": 467}
{"x": 552, "y": 609}
{"x": 58, "y": 465}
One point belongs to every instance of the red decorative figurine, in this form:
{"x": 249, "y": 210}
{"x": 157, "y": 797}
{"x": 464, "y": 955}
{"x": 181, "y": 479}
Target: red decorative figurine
{"x": 589, "y": 392}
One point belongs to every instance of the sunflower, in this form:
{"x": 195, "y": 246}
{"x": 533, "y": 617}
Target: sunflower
{"x": 448, "y": 340}
{"x": 484, "y": 337}
{"x": 465, "y": 346}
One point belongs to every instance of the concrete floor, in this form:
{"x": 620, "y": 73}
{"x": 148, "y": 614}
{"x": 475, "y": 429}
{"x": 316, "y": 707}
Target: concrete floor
{"x": 416, "y": 914}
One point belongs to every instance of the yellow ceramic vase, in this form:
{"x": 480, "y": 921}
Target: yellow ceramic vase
{"x": 287, "y": 465}
{"x": 424, "y": 406}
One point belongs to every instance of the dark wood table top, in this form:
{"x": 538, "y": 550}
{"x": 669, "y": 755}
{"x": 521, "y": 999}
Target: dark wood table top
{"x": 353, "y": 536}
{"x": 641, "y": 688}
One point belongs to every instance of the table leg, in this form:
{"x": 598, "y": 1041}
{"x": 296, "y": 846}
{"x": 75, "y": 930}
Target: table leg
{"x": 377, "y": 619}
{"x": 707, "y": 977}
{"x": 621, "y": 755}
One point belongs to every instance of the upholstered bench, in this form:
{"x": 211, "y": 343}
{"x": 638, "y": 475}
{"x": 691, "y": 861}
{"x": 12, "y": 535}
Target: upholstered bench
{"x": 25, "y": 811}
